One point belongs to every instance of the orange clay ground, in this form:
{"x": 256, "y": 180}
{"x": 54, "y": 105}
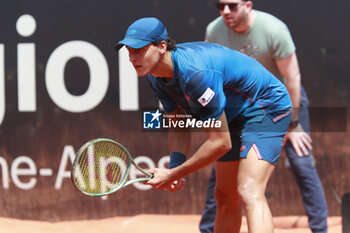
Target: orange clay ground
{"x": 150, "y": 224}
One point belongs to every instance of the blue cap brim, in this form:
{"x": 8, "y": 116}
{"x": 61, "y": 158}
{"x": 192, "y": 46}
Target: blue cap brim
{"x": 132, "y": 43}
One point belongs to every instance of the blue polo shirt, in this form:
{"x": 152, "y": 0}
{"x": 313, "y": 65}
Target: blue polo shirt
{"x": 210, "y": 78}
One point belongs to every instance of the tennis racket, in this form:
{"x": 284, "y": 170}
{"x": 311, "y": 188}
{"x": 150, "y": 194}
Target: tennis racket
{"x": 102, "y": 166}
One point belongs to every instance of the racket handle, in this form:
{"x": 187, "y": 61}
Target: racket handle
{"x": 176, "y": 159}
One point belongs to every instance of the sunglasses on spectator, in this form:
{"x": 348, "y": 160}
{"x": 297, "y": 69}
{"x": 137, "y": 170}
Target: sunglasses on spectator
{"x": 232, "y": 6}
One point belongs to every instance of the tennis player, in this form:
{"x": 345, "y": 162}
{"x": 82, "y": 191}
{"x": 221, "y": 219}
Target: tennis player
{"x": 209, "y": 81}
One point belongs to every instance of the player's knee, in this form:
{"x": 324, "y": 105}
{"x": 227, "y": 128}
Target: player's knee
{"x": 249, "y": 193}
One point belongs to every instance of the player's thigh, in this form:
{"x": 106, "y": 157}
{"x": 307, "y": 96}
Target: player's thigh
{"x": 254, "y": 172}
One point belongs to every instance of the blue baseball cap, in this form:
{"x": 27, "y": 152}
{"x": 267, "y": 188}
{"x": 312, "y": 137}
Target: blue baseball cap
{"x": 142, "y": 32}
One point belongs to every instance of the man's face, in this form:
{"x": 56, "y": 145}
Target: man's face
{"x": 235, "y": 15}
{"x": 145, "y": 59}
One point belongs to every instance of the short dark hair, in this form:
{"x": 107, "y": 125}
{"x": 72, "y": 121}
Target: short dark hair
{"x": 171, "y": 45}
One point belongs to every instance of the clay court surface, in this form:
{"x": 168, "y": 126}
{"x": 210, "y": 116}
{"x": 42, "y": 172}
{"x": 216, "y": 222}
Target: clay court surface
{"x": 149, "y": 224}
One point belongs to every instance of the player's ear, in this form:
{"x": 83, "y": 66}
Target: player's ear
{"x": 163, "y": 45}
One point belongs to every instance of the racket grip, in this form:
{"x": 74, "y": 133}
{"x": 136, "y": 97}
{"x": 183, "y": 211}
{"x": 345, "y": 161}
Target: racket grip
{"x": 176, "y": 159}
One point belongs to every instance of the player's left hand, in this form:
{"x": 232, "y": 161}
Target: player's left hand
{"x": 162, "y": 178}
{"x": 300, "y": 140}
{"x": 177, "y": 185}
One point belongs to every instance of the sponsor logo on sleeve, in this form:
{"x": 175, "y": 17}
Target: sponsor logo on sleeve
{"x": 206, "y": 97}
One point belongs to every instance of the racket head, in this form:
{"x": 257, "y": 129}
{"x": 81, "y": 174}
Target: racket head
{"x": 101, "y": 167}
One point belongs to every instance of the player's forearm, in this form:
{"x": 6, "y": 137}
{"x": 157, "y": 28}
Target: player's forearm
{"x": 208, "y": 153}
{"x": 179, "y": 141}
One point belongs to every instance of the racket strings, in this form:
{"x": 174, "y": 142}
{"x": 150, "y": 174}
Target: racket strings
{"x": 116, "y": 168}
{"x": 102, "y": 167}
{"x": 117, "y": 173}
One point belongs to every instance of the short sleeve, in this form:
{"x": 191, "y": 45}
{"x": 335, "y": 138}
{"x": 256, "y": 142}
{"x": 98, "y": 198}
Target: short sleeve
{"x": 205, "y": 89}
{"x": 282, "y": 42}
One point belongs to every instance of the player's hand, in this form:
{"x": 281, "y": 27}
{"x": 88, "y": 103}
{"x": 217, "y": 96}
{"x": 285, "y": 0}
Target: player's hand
{"x": 162, "y": 178}
{"x": 300, "y": 140}
{"x": 177, "y": 185}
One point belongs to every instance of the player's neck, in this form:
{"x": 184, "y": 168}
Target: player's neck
{"x": 164, "y": 68}
{"x": 247, "y": 24}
